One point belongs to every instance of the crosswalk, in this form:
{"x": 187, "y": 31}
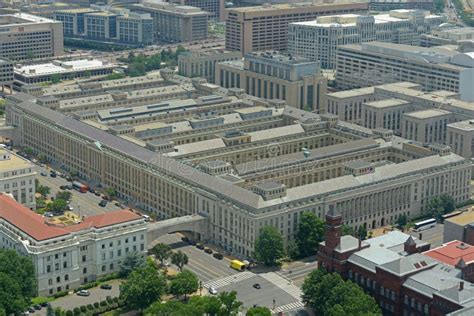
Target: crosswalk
{"x": 217, "y": 283}
{"x": 283, "y": 284}
{"x": 288, "y": 307}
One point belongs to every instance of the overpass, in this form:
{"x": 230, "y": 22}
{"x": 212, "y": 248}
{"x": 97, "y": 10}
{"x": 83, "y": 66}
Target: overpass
{"x": 191, "y": 223}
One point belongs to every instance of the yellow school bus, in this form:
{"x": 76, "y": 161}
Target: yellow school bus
{"x": 237, "y": 265}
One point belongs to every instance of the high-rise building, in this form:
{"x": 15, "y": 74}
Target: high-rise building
{"x": 26, "y": 36}
{"x": 214, "y": 7}
{"x": 271, "y": 75}
{"x": 447, "y": 34}
{"x": 435, "y": 68}
{"x": 319, "y": 39}
{"x": 250, "y": 29}
{"x": 175, "y": 23}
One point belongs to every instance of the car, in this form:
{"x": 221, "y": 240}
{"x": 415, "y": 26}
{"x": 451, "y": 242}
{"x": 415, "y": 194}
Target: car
{"x": 68, "y": 178}
{"x": 105, "y": 197}
{"x": 44, "y": 174}
{"x": 257, "y": 286}
{"x": 69, "y": 208}
{"x": 62, "y": 175}
{"x": 212, "y": 290}
{"x": 37, "y": 307}
{"x": 48, "y": 214}
{"x": 83, "y": 293}
{"x": 117, "y": 204}
{"x": 185, "y": 239}
{"x": 146, "y": 217}
{"x": 31, "y": 310}
{"x": 103, "y": 203}
{"x": 62, "y": 187}
{"x": 91, "y": 190}
{"x": 192, "y": 242}
{"x": 106, "y": 286}
{"x": 199, "y": 246}
{"x": 45, "y": 304}
{"x": 208, "y": 250}
{"x": 53, "y": 175}
{"x": 218, "y": 256}
{"x": 96, "y": 193}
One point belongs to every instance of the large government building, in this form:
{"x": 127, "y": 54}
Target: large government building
{"x": 241, "y": 161}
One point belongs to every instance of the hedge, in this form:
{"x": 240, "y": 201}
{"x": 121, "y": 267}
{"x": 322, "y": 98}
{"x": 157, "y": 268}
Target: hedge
{"x": 61, "y": 294}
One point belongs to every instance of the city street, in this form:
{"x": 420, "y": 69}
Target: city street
{"x": 82, "y": 203}
{"x": 433, "y": 236}
{"x": 297, "y": 271}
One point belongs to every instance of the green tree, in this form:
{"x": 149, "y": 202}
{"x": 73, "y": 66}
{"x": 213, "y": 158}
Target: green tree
{"x": 43, "y": 190}
{"x": 50, "y": 311}
{"x": 143, "y": 286}
{"x": 258, "y": 311}
{"x": 17, "y": 282}
{"x": 211, "y": 304}
{"x": 179, "y": 259}
{"x": 402, "y": 220}
{"x": 292, "y": 250}
{"x": 310, "y": 287}
{"x": 439, "y": 205}
{"x": 309, "y": 234}
{"x": 28, "y": 151}
{"x": 230, "y": 304}
{"x": 58, "y": 205}
{"x": 362, "y": 232}
{"x": 161, "y": 252}
{"x": 42, "y": 158}
{"x": 439, "y": 5}
{"x": 111, "y": 192}
{"x": 132, "y": 261}
{"x": 171, "y": 308}
{"x": 184, "y": 283}
{"x": 347, "y": 230}
{"x": 269, "y": 246}
{"x": 55, "y": 78}
{"x": 64, "y": 195}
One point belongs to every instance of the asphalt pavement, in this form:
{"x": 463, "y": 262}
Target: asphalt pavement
{"x": 433, "y": 236}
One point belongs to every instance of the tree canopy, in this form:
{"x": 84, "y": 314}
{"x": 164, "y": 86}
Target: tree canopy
{"x": 161, "y": 252}
{"x": 329, "y": 294}
{"x": 179, "y": 259}
{"x": 17, "y": 282}
{"x": 309, "y": 234}
{"x": 64, "y": 195}
{"x": 132, "y": 261}
{"x": 196, "y": 306}
{"x": 184, "y": 283}
{"x": 269, "y": 246}
{"x": 440, "y": 205}
{"x": 43, "y": 190}
{"x": 230, "y": 303}
{"x": 258, "y": 311}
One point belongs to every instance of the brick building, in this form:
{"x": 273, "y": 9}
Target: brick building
{"x": 400, "y": 272}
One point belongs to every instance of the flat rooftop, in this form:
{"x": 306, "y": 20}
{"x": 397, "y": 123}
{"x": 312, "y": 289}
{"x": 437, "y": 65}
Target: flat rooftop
{"x": 293, "y": 6}
{"x": 58, "y": 67}
{"x": 387, "y": 103}
{"x": 463, "y": 219}
{"x": 463, "y": 125}
{"x": 426, "y": 114}
{"x": 14, "y": 163}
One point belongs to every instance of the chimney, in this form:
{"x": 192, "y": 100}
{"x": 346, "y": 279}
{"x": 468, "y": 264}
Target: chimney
{"x": 461, "y": 285}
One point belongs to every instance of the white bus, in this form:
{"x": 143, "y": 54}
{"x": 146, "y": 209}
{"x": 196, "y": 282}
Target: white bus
{"x": 428, "y": 223}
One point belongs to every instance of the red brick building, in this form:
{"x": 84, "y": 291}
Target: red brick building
{"x": 399, "y": 271}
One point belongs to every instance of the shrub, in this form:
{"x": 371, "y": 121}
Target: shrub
{"x": 103, "y": 303}
{"x": 76, "y": 311}
{"x": 61, "y": 294}
{"x": 83, "y": 309}
{"x": 96, "y": 305}
{"x": 58, "y": 311}
{"x": 90, "y": 307}
{"x": 109, "y": 299}
{"x": 116, "y": 299}
{"x": 108, "y": 277}
{"x": 69, "y": 313}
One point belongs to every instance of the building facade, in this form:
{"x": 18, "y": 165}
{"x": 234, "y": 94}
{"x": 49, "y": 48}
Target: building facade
{"x": 447, "y": 34}
{"x": 386, "y": 5}
{"x": 17, "y": 178}
{"x": 426, "y": 126}
{"x": 461, "y": 138}
{"x": 25, "y": 36}
{"x": 203, "y": 63}
{"x": 435, "y": 68}
{"x": 319, "y": 39}
{"x": 251, "y": 29}
{"x": 175, "y": 23}
{"x": 216, "y": 8}
{"x": 272, "y": 75}
{"x": 66, "y": 257}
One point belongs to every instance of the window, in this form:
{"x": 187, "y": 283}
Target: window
{"x": 56, "y": 256}
{"x": 66, "y": 277}
{"x": 84, "y": 258}
{"x": 65, "y": 264}
{"x": 84, "y": 270}
{"x": 48, "y": 269}
{"x": 103, "y": 268}
{"x": 50, "y": 282}
{"x": 58, "y": 279}
{"x": 111, "y": 266}
{"x": 56, "y": 266}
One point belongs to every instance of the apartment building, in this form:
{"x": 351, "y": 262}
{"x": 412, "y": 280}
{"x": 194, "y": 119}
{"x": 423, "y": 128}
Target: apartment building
{"x": 386, "y": 5}
{"x": 447, "y": 34}
{"x": 272, "y": 75}
{"x": 319, "y": 39}
{"x": 435, "y": 68}
{"x": 6, "y": 74}
{"x": 242, "y": 162}
{"x": 67, "y": 256}
{"x": 17, "y": 178}
{"x": 26, "y": 36}
{"x": 216, "y": 8}
{"x": 175, "y": 23}
{"x": 105, "y": 23}
{"x": 460, "y": 138}
{"x": 427, "y": 126}
{"x": 202, "y": 63}
{"x": 259, "y": 28}
{"x": 400, "y": 272}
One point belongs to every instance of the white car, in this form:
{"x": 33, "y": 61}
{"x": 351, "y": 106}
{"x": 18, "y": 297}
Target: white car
{"x": 212, "y": 290}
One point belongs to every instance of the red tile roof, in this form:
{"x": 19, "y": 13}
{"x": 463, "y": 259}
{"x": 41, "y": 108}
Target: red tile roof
{"x": 451, "y": 252}
{"x": 35, "y": 226}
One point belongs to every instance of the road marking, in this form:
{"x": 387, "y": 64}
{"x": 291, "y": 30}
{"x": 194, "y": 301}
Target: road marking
{"x": 283, "y": 284}
{"x": 221, "y": 282}
{"x": 288, "y": 307}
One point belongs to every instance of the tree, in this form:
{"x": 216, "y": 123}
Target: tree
{"x": 362, "y": 232}
{"x": 439, "y": 205}
{"x": 347, "y": 230}
{"x": 143, "y": 286}
{"x": 230, "y": 304}
{"x": 402, "y": 220}
{"x": 50, "y": 311}
{"x": 28, "y": 151}
{"x": 212, "y": 305}
{"x": 17, "y": 282}
{"x": 292, "y": 250}
{"x": 309, "y": 234}
{"x": 111, "y": 192}
{"x": 58, "y": 205}
{"x": 55, "y": 78}
{"x": 161, "y": 252}
{"x": 179, "y": 259}
{"x": 184, "y": 283}
{"x": 42, "y": 158}
{"x": 63, "y": 195}
{"x": 310, "y": 287}
{"x": 258, "y": 311}
{"x": 269, "y": 246}
{"x": 132, "y": 261}
{"x": 43, "y": 190}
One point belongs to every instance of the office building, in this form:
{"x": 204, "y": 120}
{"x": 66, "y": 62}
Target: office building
{"x": 240, "y": 161}
{"x": 216, "y": 8}
{"x": 68, "y": 256}
{"x": 6, "y": 74}
{"x": 461, "y": 138}
{"x": 66, "y": 70}
{"x": 319, "y": 39}
{"x": 259, "y": 28}
{"x": 202, "y": 63}
{"x": 25, "y": 36}
{"x": 386, "y": 5}
{"x": 17, "y": 178}
{"x": 106, "y": 23}
{"x": 447, "y": 34}
{"x": 271, "y": 75}
{"x": 400, "y": 272}
{"x": 385, "y": 114}
{"x": 460, "y": 227}
{"x": 435, "y": 68}
{"x": 426, "y": 126}
{"x": 175, "y": 23}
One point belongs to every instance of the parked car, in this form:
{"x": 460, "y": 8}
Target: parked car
{"x": 97, "y": 193}
{"x": 69, "y": 187}
{"x": 185, "y": 239}
{"x": 44, "y": 174}
{"x": 117, "y": 204}
{"x": 53, "y": 175}
{"x": 69, "y": 208}
{"x": 146, "y": 217}
{"x": 62, "y": 187}
{"x": 48, "y": 214}
{"x": 62, "y": 175}
{"x": 83, "y": 293}
{"x": 208, "y": 250}
{"x": 103, "y": 203}
{"x": 69, "y": 178}
{"x": 218, "y": 256}
{"x": 257, "y": 286}
{"x": 45, "y": 304}
{"x": 199, "y": 246}
{"x": 91, "y": 190}
{"x": 105, "y": 197}
{"x": 31, "y": 310}
{"x": 37, "y": 307}
{"x": 192, "y": 242}
{"x": 106, "y": 286}
{"x": 212, "y": 290}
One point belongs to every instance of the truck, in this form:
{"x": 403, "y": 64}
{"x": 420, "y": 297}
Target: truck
{"x": 237, "y": 265}
{"x": 80, "y": 187}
